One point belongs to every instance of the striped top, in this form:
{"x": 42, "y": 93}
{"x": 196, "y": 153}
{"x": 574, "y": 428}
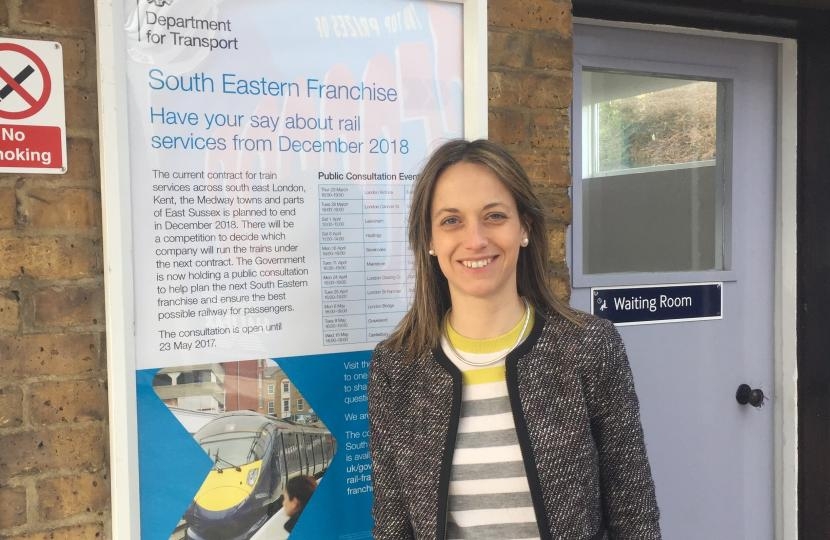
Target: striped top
{"x": 489, "y": 497}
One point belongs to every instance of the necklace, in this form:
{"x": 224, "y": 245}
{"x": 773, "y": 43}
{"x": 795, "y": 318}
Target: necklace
{"x": 461, "y": 358}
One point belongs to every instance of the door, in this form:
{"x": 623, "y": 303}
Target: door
{"x": 674, "y": 183}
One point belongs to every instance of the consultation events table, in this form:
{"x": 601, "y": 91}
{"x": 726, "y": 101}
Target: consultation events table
{"x": 365, "y": 264}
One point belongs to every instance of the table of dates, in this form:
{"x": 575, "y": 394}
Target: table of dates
{"x": 365, "y": 264}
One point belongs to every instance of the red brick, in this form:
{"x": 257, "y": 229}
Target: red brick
{"x": 49, "y": 257}
{"x": 561, "y": 286}
{"x": 71, "y": 447}
{"x": 90, "y": 531}
{"x": 67, "y": 209}
{"x": 509, "y": 127}
{"x": 555, "y": 198}
{"x": 81, "y": 110}
{"x": 54, "y": 402}
{"x": 35, "y": 355}
{"x": 551, "y": 130}
{"x": 508, "y": 49}
{"x": 9, "y": 311}
{"x": 69, "y": 306}
{"x": 546, "y": 167}
{"x": 11, "y": 408}
{"x": 13, "y": 508}
{"x": 67, "y": 15}
{"x": 553, "y": 16}
{"x": 550, "y": 51}
{"x": 65, "y": 497}
{"x": 79, "y": 62}
{"x": 533, "y": 90}
{"x": 556, "y": 243}
{"x": 82, "y": 162}
{"x": 8, "y": 208}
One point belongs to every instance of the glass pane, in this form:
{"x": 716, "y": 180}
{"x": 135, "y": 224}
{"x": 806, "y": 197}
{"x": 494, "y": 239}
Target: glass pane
{"x": 652, "y": 179}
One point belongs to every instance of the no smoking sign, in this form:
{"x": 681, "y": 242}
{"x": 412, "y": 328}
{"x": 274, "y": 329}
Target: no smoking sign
{"x": 32, "y": 115}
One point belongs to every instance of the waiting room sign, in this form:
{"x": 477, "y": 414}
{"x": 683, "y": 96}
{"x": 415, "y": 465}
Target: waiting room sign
{"x": 32, "y": 114}
{"x": 650, "y": 304}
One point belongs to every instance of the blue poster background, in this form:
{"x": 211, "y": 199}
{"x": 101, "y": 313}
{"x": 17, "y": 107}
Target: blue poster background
{"x": 173, "y": 466}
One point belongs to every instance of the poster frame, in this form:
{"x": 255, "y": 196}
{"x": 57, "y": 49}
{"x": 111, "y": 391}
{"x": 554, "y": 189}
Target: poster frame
{"x": 117, "y": 231}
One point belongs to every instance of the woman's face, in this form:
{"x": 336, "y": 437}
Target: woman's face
{"x": 476, "y": 233}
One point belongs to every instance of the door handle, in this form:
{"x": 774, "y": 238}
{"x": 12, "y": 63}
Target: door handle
{"x": 747, "y": 394}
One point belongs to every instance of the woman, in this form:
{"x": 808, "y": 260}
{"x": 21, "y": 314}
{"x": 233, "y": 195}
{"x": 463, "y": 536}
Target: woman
{"x": 495, "y": 410}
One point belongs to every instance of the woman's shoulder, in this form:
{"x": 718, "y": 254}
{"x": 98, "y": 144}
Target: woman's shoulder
{"x": 575, "y": 320}
{"x": 580, "y": 327}
{"x": 387, "y": 351}
{"x": 390, "y": 357}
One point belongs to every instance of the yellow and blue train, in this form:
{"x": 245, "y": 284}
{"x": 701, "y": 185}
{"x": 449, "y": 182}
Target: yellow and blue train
{"x": 253, "y": 457}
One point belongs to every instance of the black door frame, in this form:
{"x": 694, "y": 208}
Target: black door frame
{"x": 809, "y": 27}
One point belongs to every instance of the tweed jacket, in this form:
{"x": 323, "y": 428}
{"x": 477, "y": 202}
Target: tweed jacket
{"x": 578, "y": 424}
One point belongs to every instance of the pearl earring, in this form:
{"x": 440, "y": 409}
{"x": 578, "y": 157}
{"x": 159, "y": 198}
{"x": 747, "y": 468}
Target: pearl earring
{"x": 432, "y": 252}
{"x": 525, "y": 241}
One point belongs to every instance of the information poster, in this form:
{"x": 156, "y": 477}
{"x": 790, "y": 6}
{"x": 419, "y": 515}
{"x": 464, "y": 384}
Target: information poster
{"x": 273, "y": 146}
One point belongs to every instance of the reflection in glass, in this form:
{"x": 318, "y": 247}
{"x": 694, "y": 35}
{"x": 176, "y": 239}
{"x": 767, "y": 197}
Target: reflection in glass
{"x": 652, "y": 173}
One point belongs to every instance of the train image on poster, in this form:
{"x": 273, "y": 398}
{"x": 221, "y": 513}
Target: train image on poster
{"x": 257, "y": 430}
{"x": 254, "y": 456}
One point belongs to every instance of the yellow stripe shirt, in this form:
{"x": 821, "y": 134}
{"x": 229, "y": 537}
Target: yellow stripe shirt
{"x": 489, "y": 497}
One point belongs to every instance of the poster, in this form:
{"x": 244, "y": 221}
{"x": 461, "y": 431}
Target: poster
{"x": 273, "y": 146}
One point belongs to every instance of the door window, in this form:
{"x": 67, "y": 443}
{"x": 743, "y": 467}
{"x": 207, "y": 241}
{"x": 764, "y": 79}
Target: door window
{"x": 652, "y": 177}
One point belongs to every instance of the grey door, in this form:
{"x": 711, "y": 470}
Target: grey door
{"x": 674, "y": 183}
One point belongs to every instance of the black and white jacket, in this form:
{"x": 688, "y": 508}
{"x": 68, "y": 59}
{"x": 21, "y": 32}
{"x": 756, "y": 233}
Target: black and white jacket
{"x": 577, "y": 419}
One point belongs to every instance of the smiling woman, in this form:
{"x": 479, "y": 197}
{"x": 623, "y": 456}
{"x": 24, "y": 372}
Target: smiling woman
{"x": 496, "y": 411}
{"x": 476, "y": 236}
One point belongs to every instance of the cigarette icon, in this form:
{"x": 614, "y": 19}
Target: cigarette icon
{"x": 22, "y": 76}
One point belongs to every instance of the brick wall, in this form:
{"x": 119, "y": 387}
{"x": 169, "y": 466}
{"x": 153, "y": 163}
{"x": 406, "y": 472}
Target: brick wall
{"x": 53, "y": 400}
{"x": 53, "y": 432}
{"x": 530, "y": 83}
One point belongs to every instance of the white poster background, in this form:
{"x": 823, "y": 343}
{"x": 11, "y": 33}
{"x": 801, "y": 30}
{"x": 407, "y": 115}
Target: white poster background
{"x": 273, "y": 145}
{"x": 119, "y": 102}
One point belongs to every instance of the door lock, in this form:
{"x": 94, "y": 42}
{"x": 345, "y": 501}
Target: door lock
{"x": 747, "y": 394}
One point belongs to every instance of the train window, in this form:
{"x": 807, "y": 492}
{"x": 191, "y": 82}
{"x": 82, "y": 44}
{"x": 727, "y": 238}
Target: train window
{"x": 309, "y": 448}
{"x": 291, "y": 452}
{"x": 235, "y": 448}
{"x": 301, "y": 450}
{"x": 318, "y": 449}
{"x": 260, "y": 445}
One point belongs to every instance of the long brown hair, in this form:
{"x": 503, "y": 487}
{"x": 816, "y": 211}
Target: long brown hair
{"x": 420, "y": 329}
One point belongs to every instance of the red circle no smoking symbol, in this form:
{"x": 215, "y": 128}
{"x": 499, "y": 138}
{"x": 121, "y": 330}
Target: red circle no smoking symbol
{"x": 24, "y": 82}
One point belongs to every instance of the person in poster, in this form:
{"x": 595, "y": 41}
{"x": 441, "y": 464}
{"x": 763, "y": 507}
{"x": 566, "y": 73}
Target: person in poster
{"x": 496, "y": 411}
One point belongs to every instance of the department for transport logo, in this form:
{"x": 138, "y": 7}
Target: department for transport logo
{"x": 160, "y": 3}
